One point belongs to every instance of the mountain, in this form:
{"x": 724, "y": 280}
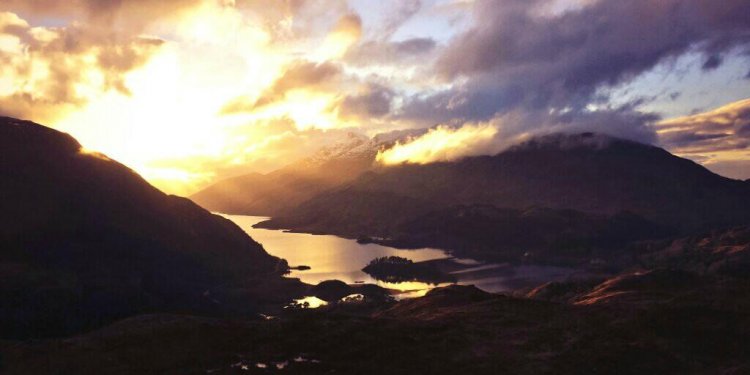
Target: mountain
{"x": 590, "y": 174}
{"x": 275, "y": 192}
{"x": 85, "y": 240}
{"x": 542, "y": 235}
{"x": 269, "y": 194}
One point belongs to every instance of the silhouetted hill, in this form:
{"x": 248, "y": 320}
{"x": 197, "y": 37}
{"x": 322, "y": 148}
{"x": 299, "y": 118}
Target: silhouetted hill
{"x": 544, "y": 235}
{"x": 85, "y": 240}
{"x": 661, "y": 322}
{"x": 588, "y": 173}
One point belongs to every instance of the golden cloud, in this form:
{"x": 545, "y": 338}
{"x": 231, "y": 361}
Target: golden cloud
{"x": 442, "y": 143}
{"x": 724, "y": 129}
{"x": 718, "y": 139}
{"x": 47, "y": 72}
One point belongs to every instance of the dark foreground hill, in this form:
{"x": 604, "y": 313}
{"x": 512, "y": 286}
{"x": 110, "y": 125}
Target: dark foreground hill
{"x": 85, "y": 240}
{"x": 570, "y": 190}
{"x": 664, "y": 322}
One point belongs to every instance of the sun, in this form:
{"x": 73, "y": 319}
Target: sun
{"x": 170, "y": 115}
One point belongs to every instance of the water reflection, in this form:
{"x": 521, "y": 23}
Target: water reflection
{"x": 331, "y": 257}
{"x": 336, "y": 258}
{"x": 309, "y": 302}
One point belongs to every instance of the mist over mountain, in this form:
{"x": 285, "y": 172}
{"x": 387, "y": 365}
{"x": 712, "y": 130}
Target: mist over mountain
{"x": 269, "y": 194}
{"x": 85, "y": 240}
{"x": 272, "y": 193}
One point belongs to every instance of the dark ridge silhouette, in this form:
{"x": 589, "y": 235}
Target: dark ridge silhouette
{"x": 644, "y": 188}
{"x": 85, "y": 241}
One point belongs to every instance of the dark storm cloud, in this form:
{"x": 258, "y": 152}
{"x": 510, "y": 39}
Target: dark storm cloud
{"x": 374, "y": 102}
{"x": 712, "y": 62}
{"x": 606, "y": 42}
{"x": 517, "y": 57}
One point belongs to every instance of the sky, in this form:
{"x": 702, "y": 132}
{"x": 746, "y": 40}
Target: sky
{"x": 188, "y": 92}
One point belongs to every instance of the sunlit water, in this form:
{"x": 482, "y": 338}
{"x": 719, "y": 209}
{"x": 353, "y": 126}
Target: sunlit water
{"x": 332, "y": 257}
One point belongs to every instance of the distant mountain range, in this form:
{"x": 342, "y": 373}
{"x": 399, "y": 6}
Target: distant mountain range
{"x": 283, "y": 189}
{"x": 582, "y": 191}
{"x": 85, "y": 240}
{"x": 270, "y": 194}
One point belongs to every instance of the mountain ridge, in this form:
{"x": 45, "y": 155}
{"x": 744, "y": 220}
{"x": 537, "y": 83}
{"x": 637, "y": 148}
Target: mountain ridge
{"x": 86, "y": 241}
{"x": 587, "y": 173}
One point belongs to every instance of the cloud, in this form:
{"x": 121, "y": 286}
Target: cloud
{"x": 402, "y": 12}
{"x": 381, "y": 52}
{"x": 299, "y": 75}
{"x": 712, "y": 62}
{"x": 442, "y": 143}
{"x": 261, "y": 147}
{"x": 373, "y": 102}
{"x": 458, "y": 140}
{"x": 126, "y": 16}
{"x": 604, "y": 42}
{"x": 516, "y": 55}
{"x": 724, "y": 129}
{"x": 48, "y": 71}
{"x": 320, "y": 90}
{"x": 292, "y": 71}
{"x": 291, "y": 20}
{"x": 345, "y": 33}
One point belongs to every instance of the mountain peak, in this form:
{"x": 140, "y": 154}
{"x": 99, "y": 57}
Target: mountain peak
{"x": 15, "y": 133}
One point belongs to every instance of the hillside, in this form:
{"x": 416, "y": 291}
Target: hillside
{"x": 269, "y": 194}
{"x": 587, "y": 173}
{"x": 86, "y": 241}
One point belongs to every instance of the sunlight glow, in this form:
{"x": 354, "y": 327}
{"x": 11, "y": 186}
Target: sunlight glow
{"x": 171, "y": 110}
{"x": 440, "y": 144}
{"x": 307, "y": 109}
